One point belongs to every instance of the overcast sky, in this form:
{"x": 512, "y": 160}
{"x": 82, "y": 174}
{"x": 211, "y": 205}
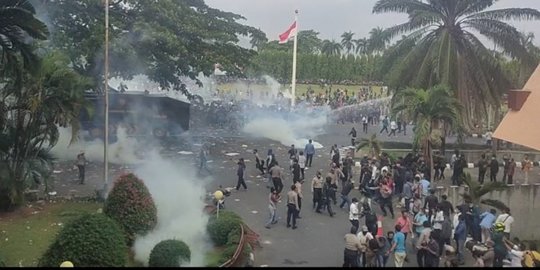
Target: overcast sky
{"x": 333, "y": 17}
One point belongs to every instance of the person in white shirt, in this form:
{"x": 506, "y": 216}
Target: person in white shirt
{"x": 455, "y": 220}
{"x": 507, "y": 219}
{"x": 364, "y": 124}
{"x": 354, "y": 213}
{"x": 488, "y": 136}
{"x": 393, "y": 128}
{"x": 302, "y": 162}
{"x": 364, "y": 236}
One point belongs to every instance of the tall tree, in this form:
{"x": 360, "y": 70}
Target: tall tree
{"x": 361, "y": 45}
{"x": 331, "y": 48}
{"x": 165, "y": 40}
{"x": 429, "y": 110}
{"x": 377, "y": 40}
{"x": 447, "y": 52}
{"x": 347, "y": 41}
{"x": 18, "y": 26}
{"x": 258, "y": 39}
{"x": 31, "y": 114}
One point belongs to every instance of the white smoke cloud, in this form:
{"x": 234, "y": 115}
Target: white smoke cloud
{"x": 179, "y": 196}
{"x": 123, "y": 151}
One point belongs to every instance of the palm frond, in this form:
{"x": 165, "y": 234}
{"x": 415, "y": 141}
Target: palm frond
{"x": 402, "y": 6}
{"x": 508, "y": 14}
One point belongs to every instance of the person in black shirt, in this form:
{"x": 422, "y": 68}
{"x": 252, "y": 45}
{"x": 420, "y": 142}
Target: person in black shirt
{"x": 446, "y": 206}
{"x": 292, "y": 155}
{"x": 353, "y": 136}
{"x": 296, "y": 171}
{"x": 431, "y": 202}
{"x": 345, "y": 190}
{"x": 482, "y": 168}
{"x": 493, "y": 169}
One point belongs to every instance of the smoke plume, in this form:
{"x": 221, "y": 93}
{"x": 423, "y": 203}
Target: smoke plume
{"x": 179, "y": 197}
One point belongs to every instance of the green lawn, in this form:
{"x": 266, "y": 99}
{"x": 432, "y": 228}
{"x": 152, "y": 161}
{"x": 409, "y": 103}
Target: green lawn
{"x": 300, "y": 88}
{"x": 27, "y": 233}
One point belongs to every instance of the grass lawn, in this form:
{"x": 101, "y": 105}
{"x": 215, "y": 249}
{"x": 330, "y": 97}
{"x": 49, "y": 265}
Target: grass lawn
{"x": 300, "y": 88}
{"x": 26, "y": 233}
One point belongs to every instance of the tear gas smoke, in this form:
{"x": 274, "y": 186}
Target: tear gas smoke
{"x": 288, "y": 128}
{"x": 179, "y": 196}
{"x": 123, "y": 151}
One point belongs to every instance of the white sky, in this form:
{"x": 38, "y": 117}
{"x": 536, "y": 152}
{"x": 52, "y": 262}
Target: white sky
{"x": 333, "y": 17}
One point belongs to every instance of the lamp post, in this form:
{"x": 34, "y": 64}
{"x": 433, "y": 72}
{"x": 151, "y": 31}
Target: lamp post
{"x": 106, "y": 92}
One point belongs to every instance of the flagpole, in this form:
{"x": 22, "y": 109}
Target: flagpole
{"x": 294, "y": 60}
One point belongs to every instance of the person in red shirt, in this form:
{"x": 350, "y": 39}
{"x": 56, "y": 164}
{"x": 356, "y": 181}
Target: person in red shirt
{"x": 386, "y": 198}
{"x": 405, "y": 222}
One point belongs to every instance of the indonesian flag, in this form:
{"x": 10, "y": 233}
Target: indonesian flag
{"x": 290, "y": 33}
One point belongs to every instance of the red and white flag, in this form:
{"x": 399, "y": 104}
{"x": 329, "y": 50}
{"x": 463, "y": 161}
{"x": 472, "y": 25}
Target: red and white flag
{"x": 290, "y": 33}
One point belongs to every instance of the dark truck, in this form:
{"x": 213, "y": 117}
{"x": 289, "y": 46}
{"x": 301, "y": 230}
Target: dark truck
{"x": 141, "y": 114}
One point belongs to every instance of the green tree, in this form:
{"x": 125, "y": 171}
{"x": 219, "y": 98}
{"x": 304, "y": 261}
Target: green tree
{"x": 361, "y": 46}
{"x": 372, "y": 143}
{"x": 18, "y": 28}
{"x": 331, "y": 47}
{"x": 347, "y": 41}
{"x": 258, "y": 39}
{"x": 429, "y": 110}
{"x": 476, "y": 191}
{"x": 29, "y": 116}
{"x": 377, "y": 40}
{"x": 166, "y": 40}
{"x": 447, "y": 52}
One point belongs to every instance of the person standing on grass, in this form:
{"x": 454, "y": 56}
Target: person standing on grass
{"x": 398, "y": 247}
{"x": 302, "y": 162}
{"x": 292, "y": 207}
{"x": 273, "y": 200}
{"x": 310, "y": 151}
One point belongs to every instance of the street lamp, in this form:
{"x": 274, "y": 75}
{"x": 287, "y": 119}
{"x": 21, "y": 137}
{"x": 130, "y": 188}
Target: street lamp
{"x": 106, "y": 92}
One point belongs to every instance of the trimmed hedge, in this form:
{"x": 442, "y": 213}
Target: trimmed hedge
{"x": 92, "y": 240}
{"x": 132, "y": 206}
{"x": 219, "y": 228}
{"x": 227, "y": 254}
{"x": 169, "y": 253}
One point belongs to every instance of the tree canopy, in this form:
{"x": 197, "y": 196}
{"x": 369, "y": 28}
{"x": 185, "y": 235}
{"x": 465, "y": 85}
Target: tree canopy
{"x": 165, "y": 40}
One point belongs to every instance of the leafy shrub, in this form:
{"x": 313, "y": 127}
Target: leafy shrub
{"x": 227, "y": 254}
{"x": 132, "y": 206}
{"x": 234, "y": 237}
{"x": 2, "y": 263}
{"x": 169, "y": 253}
{"x": 219, "y": 228}
{"x": 90, "y": 240}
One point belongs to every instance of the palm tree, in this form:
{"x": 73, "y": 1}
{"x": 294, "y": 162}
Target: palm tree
{"x": 31, "y": 113}
{"x": 476, "y": 191}
{"x": 428, "y": 109}
{"x": 331, "y": 47}
{"x": 17, "y": 27}
{"x": 372, "y": 143}
{"x": 258, "y": 39}
{"x": 377, "y": 40}
{"x": 447, "y": 52}
{"x": 361, "y": 45}
{"x": 347, "y": 41}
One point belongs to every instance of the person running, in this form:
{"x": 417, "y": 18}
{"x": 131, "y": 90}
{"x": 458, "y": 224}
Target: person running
{"x": 292, "y": 207}
{"x": 296, "y": 172}
{"x": 273, "y": 200}
{"x": 292, "y": 155}
{"x": 298, "y": 185}
{"x": 352, "y": 248}
{"x": 370, "y": 218}
{"x": 398, "y": 247}
{"x": 385, "y": 125}
{"x": 259, "y": 164}
{"x": 329, "y": 193}
{"x": 386, "y": 198}
{"x": 404, "y": 222}
{"x": 310, "y": 151}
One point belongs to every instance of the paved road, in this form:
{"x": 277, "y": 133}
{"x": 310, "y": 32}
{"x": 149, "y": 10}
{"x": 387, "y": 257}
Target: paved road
{"x": 318, "y": 241}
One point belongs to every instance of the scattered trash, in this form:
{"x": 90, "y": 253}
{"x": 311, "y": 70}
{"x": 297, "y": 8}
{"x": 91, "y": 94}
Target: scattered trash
{"x": 254, "y": 212}
{"x": 57, "y": 171}
{"x": 267, "y": 242}
{"x": 52, "y": 193}
{"x": 244, "y": 145}
{"x": 209, "y": 161}
{"x": 232, "y": 154}
{"x": 28, "y": 227}
{"x": 185, "y": 153}
{"x": 236, "y": 200}
{"x": 6, "y": 239}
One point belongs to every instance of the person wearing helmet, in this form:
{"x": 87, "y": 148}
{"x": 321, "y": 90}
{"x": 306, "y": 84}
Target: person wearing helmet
{"x": 499, "y": 247}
